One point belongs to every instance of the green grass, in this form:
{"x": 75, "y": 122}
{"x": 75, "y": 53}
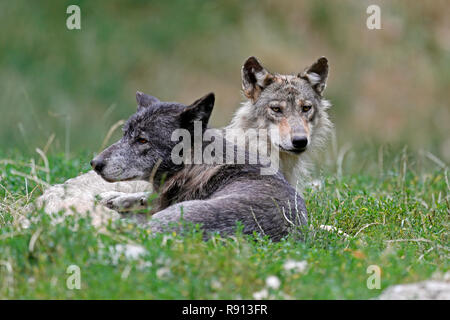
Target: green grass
{"x": 64, "y": 89}
{"x": 397, "y": 220}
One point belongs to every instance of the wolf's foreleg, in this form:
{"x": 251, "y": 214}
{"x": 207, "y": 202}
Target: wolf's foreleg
{"x": 124, "y": 202}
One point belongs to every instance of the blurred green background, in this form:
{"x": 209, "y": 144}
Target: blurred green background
{"x": 388, "y": 86}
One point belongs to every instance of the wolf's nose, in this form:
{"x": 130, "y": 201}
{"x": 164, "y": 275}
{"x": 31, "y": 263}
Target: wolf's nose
{"x": 97, "y": 165}
{"x": 300, "y": 142}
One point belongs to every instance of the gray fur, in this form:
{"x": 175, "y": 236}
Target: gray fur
{"x": 266, "y": 90}
{"x": 260, "y": 86}
{"x": 216, "y": 196}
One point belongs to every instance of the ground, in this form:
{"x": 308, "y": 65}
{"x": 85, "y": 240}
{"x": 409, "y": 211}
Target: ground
{"x": 394, "y": 221}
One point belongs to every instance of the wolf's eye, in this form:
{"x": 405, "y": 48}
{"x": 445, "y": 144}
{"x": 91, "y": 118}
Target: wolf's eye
{"x": 142, "y": 140}
{"x": 276, "y": 109}
{"x": 306, "y": 108}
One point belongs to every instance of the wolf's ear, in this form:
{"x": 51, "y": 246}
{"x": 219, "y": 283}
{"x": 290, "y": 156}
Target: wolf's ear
{"x": 200, "y": 110}
{"x": 317, "y": 74}
{"x": 254, "y": 78}
{"x": 144, "y": 100}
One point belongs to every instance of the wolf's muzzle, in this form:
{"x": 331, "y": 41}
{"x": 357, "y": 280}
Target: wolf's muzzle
{"x": 97, "y": 165}
{"x": 300, "y": 142}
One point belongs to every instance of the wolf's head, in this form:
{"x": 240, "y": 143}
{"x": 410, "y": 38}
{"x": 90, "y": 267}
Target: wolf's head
{"x": 145, "y": 149}
{"x": 293, "y": 104}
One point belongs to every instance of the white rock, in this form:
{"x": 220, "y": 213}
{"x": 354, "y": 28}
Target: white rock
{"x": 425, "y": 290}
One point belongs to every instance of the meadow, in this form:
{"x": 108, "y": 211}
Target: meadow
{"x": 383, "y": 182}
{"x": 395, "y": 220}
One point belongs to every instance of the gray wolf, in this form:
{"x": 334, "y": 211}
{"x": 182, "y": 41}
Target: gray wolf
{"x": 274, "y": 100}
{"x": 216, "y": 196}
{"x": 294, "y": 105}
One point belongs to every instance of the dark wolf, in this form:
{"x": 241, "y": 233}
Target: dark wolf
{"x": 216, "y": 195}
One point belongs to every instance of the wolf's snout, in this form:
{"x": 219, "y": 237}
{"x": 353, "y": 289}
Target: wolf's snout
{"x": 97, "y": 165}
{"x": 300, "y": 142}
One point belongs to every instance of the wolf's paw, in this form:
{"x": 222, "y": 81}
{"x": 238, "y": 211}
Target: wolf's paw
{"x": 124, "y": 202}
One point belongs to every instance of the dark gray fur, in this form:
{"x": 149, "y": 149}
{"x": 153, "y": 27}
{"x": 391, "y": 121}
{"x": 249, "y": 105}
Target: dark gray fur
{"x": 216, "y": 196}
